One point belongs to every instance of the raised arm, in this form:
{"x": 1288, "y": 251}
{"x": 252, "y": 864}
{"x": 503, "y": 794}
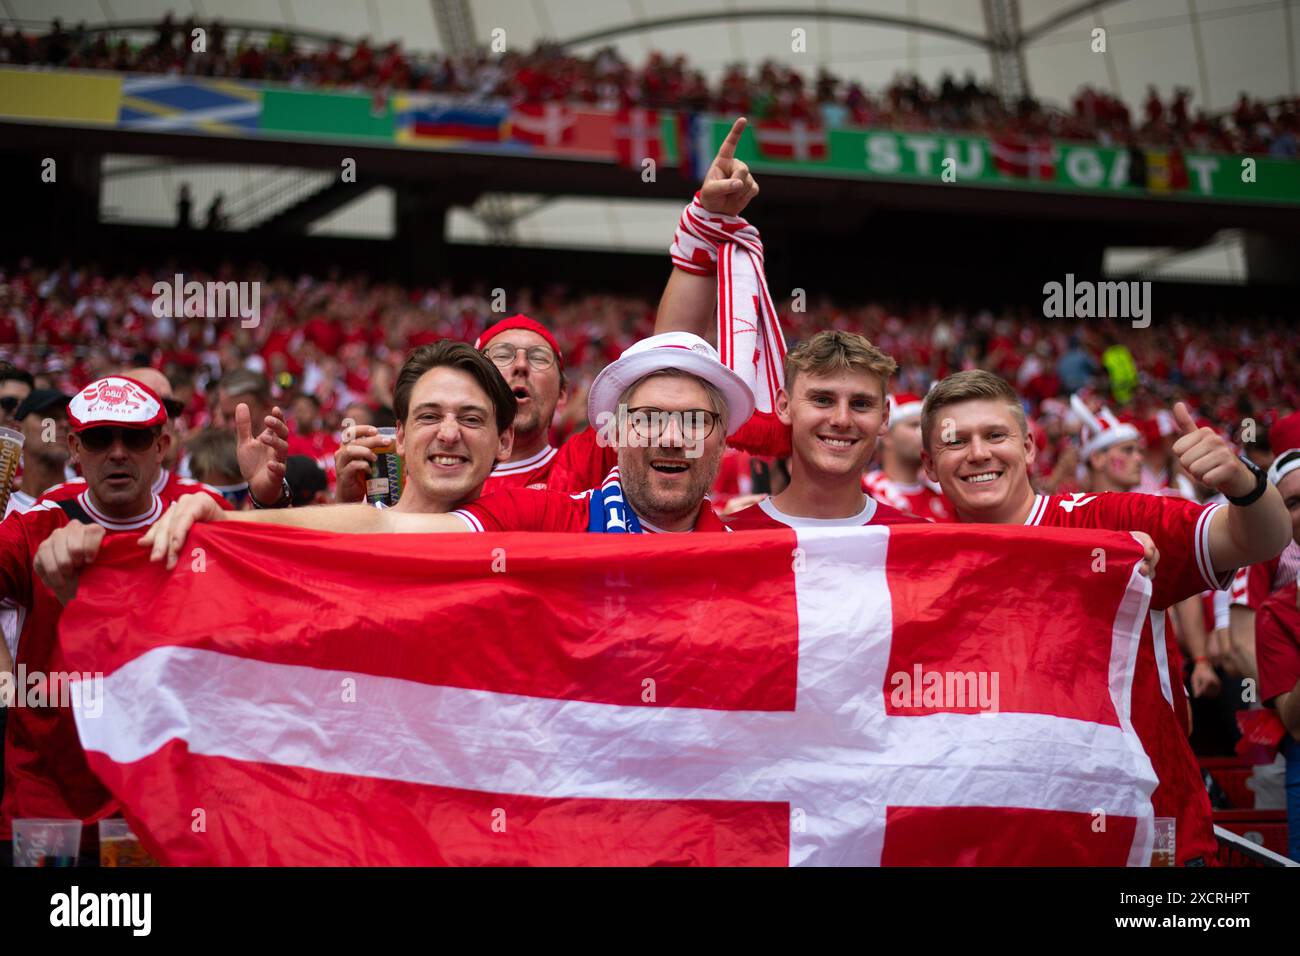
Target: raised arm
{"x": 690, "y": 301}
{"x": 1239, "y": 535}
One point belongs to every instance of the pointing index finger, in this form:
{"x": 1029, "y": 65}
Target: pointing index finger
{"x": 728, "y": 148}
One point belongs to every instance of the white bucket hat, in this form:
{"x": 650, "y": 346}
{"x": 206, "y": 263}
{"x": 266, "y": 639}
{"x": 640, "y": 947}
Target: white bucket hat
{"x": 670, "y": 350}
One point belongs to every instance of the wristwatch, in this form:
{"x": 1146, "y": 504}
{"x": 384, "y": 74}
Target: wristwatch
{"x": 284, "y": 501}
{"x": 1261, "y": 482}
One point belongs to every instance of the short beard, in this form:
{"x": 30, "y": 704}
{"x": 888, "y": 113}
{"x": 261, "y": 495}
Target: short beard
{"x": 636, "y": 488}
{"x": 528, "y": 424}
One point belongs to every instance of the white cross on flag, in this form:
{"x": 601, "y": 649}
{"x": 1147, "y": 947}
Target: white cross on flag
{"x": 916, "y": 695}
{"x": 637, "y": 137}
{"x": 797, "y": 140}
{"x": 542, "y": 124}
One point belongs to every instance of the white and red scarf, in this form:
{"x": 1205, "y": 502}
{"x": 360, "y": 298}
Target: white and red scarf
{"x": 750, "y": 342}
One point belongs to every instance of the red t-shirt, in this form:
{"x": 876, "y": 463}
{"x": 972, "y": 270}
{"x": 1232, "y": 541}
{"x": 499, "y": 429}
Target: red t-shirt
{"x": 581, "y": 463}
{"x": 1252, "y": 585}
{"x": 1277, "y": 643}
{"x": 918, "y": 499}
{"x": 46, "y": 774}
{"x": 168, "y": 486}
{"x": 1180, "y": 530}
{"x": 764, "y": 515}
{"x": 529, "y": 509}
{"x": 530, "y": 472}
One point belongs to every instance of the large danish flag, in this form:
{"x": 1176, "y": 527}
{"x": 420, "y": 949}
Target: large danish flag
{"x": 291, "y": 697}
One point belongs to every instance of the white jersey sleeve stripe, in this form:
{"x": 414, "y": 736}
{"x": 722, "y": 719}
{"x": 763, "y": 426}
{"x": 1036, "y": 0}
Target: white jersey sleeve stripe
{"x": 472, "y": 523}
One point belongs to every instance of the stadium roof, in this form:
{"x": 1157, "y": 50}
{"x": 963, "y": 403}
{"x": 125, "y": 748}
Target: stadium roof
{"x": 1215, "y": 47}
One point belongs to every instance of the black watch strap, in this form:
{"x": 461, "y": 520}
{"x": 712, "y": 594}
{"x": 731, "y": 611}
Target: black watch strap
{"x": 284, "y": 501}
{"x": 1261, "y": 483}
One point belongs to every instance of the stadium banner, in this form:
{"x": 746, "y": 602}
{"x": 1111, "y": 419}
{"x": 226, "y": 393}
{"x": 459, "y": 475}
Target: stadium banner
{"x": 630, "y": 137}
{"x": 53, "y": 96}
{"x": 330, "y": 115}
{"x": 1015, "y": 162}
{"x": 933, "y": 695}
{"x": 191, "y": 105}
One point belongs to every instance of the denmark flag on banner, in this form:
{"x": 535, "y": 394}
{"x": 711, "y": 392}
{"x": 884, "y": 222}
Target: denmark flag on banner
{"x": 636, "y": 137}
{"x": 542, "y": 124}
{"x": 796, "y": 140}
{"x": 1025, "y": 157}
{"x": 911, "y": 695}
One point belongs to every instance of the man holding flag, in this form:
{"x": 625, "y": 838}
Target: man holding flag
{"x": 118, "y": 438}
{"x": 978, "y": 448}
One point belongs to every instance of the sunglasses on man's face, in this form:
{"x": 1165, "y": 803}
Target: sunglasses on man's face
{"x": 10, "y": 404}
{"x": 102, "y": 438}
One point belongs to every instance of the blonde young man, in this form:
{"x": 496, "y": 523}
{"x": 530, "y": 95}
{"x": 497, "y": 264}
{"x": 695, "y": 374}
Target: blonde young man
{"x": 978, "y": 448}
{"x": 834, "y": 401}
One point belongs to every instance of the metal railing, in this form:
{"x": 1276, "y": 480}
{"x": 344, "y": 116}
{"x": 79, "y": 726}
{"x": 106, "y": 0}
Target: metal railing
{"x": 1236, "y": 850}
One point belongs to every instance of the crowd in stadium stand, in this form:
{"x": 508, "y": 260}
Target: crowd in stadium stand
{"x": 341, "y": 340}
{"x": 770, "y": 91}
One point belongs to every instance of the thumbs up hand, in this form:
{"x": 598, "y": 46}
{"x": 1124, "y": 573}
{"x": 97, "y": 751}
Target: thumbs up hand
{"x": 1208, "y": 458}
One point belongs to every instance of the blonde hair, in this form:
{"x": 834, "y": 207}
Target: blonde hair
{"x": 969, "y": 386}
{"x": 834, "y": 350}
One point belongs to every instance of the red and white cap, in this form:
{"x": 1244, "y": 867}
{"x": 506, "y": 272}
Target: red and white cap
{"x": 116, "y": 400}
{"x": 1100, "y": 431}
{"x": 1284, "y": 438}
{"x": 904, "y": 407}
{"x": 670, "y": 350}
{"x": 520, "y": 321}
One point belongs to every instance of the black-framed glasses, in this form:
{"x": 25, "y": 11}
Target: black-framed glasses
{"x": 650, "y": 423}
{"x": 102, "y": 437}
{"x": 10, "y": 403}
{"x": 503, "y": 354}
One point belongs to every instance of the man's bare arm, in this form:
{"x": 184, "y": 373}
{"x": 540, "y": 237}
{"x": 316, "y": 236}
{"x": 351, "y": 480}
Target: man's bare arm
{"x": 167, "y": 536}
{"x": 689, "y": 304}
{"x": 1241, "y": 627}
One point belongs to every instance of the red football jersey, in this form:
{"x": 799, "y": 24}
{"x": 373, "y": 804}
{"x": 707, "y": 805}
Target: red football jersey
{"x": 530, "y": 472}
{"x": 1277, "y": 643}
{"x": 46, "y": 774}
{"x": 918, "y": 499}
{"x": 1180, "y": 530}
{"x": 168, "y": 486}
{"x": 529, "y": 509}
{"x": 764, "y": 516}
{"x": 1252, "y": 585}
{"x": 581, "y": 463}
